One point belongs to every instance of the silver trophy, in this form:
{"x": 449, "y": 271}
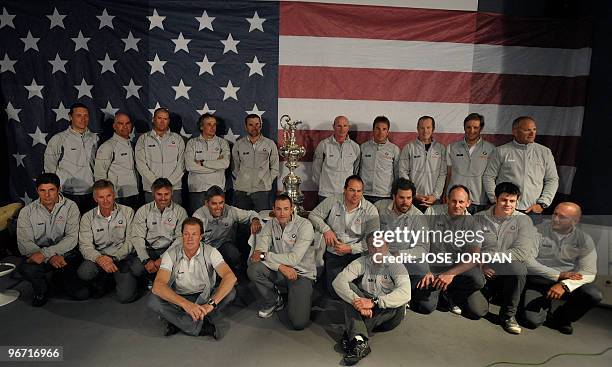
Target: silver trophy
{"x": 293, "y": 153}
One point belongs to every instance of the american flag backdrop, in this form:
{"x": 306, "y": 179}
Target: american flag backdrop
{"x": 310, "y": 60}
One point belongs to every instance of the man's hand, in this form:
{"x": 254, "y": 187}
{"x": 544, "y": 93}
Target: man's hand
{"x": 363, "y": 303}
{"x": 57, "y": 261}
{"x": 256, "y": 256}
{"x": 194, "y": 310}
{"x": 107, "y": 264}
{"x": 570, "y": 275}
{"x": 206, "y": 309}
{"x": 157, "y": 264}
{"x": 426, "y": 281}
{"x": 255, "y": 226}
{"x": 366, "y": 313}
{"x": 488, "y": 272}
{"x": 288, "y": 272}
{"x": 555, "y": 292}
{"x": 443, "y": 280}
{"x": 536, "y": 208}
{"x": 150, "y": 266}
{"x": 330, "y": 238}
{"x": 36, "y": 258}
{"x": 342, "y": 248}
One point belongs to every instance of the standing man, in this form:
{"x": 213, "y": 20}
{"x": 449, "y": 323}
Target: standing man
{"x": 220, "y": 223}
{"x": 564, "y": 269}
{"x": 344, "y": 221}
{"x": 284, "y": 254}
{"x": 184, "y": 292}
{"x": 378, "y": 301}
{"x": 102, "y": 241}
{"x": 115, "y": 162}
{"x": 206, "y": 158}
{"x": 335, "y": 159}
{"x": 47, "y": 235}
{"x": 531, "y": 166}
{"x": 159, "y": 153}
{"x": 467, "y": 160}
{"x": 507, "y": 231}
{"x": 423, "y": 162}
{"x": 70, "y": 155}
{"x": 156, "y": 226}
{"x": 255, "y": 168}
{"x": 379, "y": 162}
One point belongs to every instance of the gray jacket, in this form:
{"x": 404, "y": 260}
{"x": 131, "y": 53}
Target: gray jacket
{"x": 54, "y": 233}
{"x": 413, "y": 220}
{"x": 467, "y": 169}
{"x": 218, "y": 231}
{"x": 529, "y": 166}
{"x": 99, "y": 236}
{"x": 426, "y": 168}
{"x": 292, "y": 246}
{"x": 333, "y": 163}
{"x": 331, "y": 214}
{"x": 255, "y": 166}
{"x": 554, "y": 254}
{"x": 515, "y": 235}
{"x": 115, "y": 162}
{"x": 215, "y": 157}
{"x": 160, "y": 157}
{"x": 379, "y": 167}
{"x": 389, "y": 282}
{"x": 70, "y": 155}
{"x": 154, "y": 229}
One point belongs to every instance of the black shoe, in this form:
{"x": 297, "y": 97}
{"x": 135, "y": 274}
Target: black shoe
{"x": 168, "y": 328}
{"x": 39, "y": 300}
{"x": 359, "y": 349}
{"x": 208, "y": 329}
{"x": 345, "y": 343}
{"x": 563, "y": 327}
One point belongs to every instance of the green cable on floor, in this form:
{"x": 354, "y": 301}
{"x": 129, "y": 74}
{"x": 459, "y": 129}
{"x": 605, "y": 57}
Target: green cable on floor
{"x": 550, "y": 358}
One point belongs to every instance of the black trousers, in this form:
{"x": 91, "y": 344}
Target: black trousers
{"x": 66, "y": 277}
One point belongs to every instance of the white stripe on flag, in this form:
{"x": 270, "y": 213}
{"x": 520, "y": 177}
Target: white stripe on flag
{"x": 467, "y": 5}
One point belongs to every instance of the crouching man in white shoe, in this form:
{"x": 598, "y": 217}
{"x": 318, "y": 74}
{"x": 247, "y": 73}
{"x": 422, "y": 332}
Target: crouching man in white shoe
{"x": 378, "y": 303}
{"x": 284, "y": 255}
{"x": 183, "y": 292}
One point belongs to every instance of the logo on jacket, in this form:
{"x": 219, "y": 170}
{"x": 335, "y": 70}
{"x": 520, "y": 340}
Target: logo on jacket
{"x": 293, "y": 235}
{"x": 120, "y": 221}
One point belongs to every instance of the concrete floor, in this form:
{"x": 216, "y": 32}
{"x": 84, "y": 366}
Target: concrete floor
{"x": 105, "y": 333}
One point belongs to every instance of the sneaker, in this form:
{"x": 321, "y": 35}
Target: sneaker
{"x": 168, "y": 328}
{"x": 39, "y": 300}
{"x": 208, "y": 329}
{"x": 455, "y": 309}
{"x": 269, "y": 311}
{"x": 358, "y": 350}
{"x": 511, "y": 326}
{"x": 345, "y": 343}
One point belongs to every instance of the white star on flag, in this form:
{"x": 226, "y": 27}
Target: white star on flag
{"x": 105, "y": 20}
{"x": 38, "y": 137}
{"x": 61, "y": 112}
{"x": 206, "y": 66}
{"x": 34, "y": 90}
{"x": 152, "y": 110}
{"x": 57, "y": 20}
{"x": 185, "y": 133}
{"x": 181, "y": 43}
{"x": 205, "y": 21}
{"x": 181, "y": 90}
{"x": 156, "y": 20}
{"x": 30, "y": 42}
{"x": 230, "y": 44}
{"x": 26, "y": 199}
{"x": 7, "y": 64}
{"x": 131, "y": 43}
{"x": 255, "y": 23}
{"x": 107, "y": 65}
{"x": 157, "y": 65}
{"x": 230, "y": 136}
{"x": 80, "y": 42}
{"x": 109, "y": 111}
{"x": 131, "y": 89}
{"x": 6, "y": 19}
{"x": 205, "y": 109}
{"x": 255, "y": 67}
{"x": 84, "y": 89}
{"x": 19, "y": 158}
{"x": 58, "y": 64}
{"x": 256, "y": 111}
{"x": 230, "y": 91}
{"x": 12, "y": 112}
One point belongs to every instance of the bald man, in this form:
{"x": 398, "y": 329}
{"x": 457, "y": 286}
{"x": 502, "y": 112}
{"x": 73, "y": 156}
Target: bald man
{"x": 336, "y": 158}
{"x": 564, "y": 268}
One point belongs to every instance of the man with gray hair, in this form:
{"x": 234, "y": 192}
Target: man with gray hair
{"x": 529, "y": 165}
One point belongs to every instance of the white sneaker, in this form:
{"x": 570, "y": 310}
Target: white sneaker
{"x": 511, "y": 326}
{"x": 269, "y": 311}
{"x": 455, "y": 309}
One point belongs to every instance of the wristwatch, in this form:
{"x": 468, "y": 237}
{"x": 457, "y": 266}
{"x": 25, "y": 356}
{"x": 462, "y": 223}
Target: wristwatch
{"x": 544, "y": 206}
{"x": 565, "y": 287}
{"x": 212, "y": 303}
{"x": 262, "y": 256}
{"x": 145, "y": 261}
{"x": 376, "y": 301}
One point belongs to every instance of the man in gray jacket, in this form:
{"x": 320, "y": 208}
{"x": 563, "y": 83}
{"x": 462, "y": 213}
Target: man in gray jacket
{"x": 507, "y": 231}
{"x": 529, "y": 165}
{"x": 467, "y": 160}
{"x": 156, "y": 226}
{"x": 70, "y": 155}
{"x": 47, "y": 235}
{"x": 376, "y": 303}
{"x": 564, "y": 269}
{"x": 379, "y": 162}
{"x": 221, "y": 225}
{"x": 207, "y": 156}
{"x": 343, "y": 221}
{"x": 423, "y": 161}
{"x": 102, "y": 241}
{"x": 184, "y": 292}
{"x": 255, "y": 167}
{"x": 115, "y": 162}
{"x": 284, "y": 255}
{"x": 160, "y": 153}
{"x": 335, "y": 159}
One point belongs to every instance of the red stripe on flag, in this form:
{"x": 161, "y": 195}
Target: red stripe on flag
{"x": 429, "y": 86}
{"x": 431, "y": 25}
{"x": 564, "y": 148}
